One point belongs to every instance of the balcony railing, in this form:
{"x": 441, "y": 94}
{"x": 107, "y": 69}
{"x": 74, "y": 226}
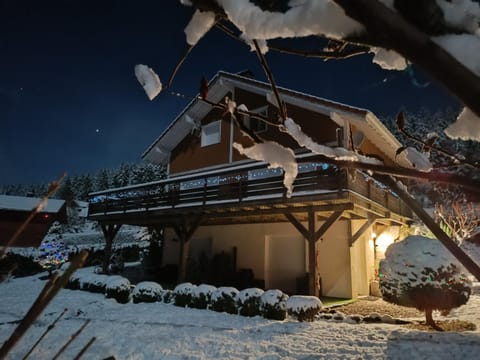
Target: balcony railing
{"x": 241, "y": 185}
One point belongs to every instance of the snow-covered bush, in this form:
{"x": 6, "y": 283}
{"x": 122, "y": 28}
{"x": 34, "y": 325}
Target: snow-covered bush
{"x": 118, "y": 288}
{"x": 304, "y": 308}
{"x": 274, "y": 305}
{"x": 183, "y": 294}
{"x": 95, "y": 283}
{"x": 86, "y": 279}
{"x": 248, "y": 302}
{"x": 147, "y": 291}
{"x": 202, "y": 295}
{"x": 420, "y": 272}
{"x": 167, "y": 296}
{"x": 224, "y": 299}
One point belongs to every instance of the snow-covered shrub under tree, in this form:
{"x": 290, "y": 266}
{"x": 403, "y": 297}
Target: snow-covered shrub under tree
{"x": 249, "y": 302}
{"x": 147, "y": 291}
{"x": 420, "y": 272}
{"x": 274, "y": 305}
{"x": 304, "y": 308}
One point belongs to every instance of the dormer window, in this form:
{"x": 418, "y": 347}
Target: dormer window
{"x": 211, "y": 133}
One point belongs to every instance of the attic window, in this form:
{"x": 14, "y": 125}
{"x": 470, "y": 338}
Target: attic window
{"x": 211, "y": 133}
{"x": 256, "y": 125}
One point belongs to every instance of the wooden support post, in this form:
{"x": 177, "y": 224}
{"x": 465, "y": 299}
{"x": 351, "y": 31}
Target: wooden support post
{"x": 312, "y": 236}
{"x": 109, "y": 233}
{"x": 313, "y": 286}
{"x": 450, "y": 244}
{"x": 184, "y": 232}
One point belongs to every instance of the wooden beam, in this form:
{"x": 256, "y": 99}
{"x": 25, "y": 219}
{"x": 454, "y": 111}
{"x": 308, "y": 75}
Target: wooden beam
{"x": 184, "y": 232}
{"x": 298, "y": 225}
{"x": 327, "y": 224}
{"x": 367, "y": 225}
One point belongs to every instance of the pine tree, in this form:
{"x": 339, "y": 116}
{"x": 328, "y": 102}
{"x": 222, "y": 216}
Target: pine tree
{"x": 102, "y": 180}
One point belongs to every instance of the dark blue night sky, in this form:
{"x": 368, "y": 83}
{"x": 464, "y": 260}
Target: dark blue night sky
{"x": 69, "y": 100}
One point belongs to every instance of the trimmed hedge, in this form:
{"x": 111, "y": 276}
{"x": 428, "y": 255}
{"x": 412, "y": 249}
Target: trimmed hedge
{"x": 224, "y": 300}
{"x": 202, "y": 296}
{"x": 118, "y": 288}
{"x": 304, "y": 308}
{"x": 183, "y": 294}
{"x": 147, "y": 291}
{"x": 249, "y": 302}
{"x": 273, "y": 305}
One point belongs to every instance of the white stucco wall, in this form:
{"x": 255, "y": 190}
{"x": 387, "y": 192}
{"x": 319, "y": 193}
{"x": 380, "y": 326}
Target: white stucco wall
{"x": 253, "y": 241}
{"x": 334, "y": 261}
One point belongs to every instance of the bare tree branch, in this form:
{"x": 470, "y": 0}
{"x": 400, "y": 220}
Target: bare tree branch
{"x": 337, "y": 54}
{"x": 455, "y": 158}
{"x": 392, "y": 31}
{"x": 268, "y": 72}
{"x": 51, "y": 289}
{"x": 179, "y": 64}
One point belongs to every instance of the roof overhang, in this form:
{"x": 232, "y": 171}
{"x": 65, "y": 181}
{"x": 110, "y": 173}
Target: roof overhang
{"x": 222, "y": 83}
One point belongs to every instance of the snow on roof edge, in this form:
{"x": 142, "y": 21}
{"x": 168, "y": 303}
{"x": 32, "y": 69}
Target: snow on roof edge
{"x": 22, "y": 203}
{"x": 261, "y": 84}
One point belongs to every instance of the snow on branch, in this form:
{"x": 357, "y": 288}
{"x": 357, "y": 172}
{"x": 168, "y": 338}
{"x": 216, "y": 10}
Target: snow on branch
{"x": 304, "y": 18}
{"x": 276, "y": 156}
{"x": 467, "y": 126}
{"x": 199, "y": 25}
{"x": 295, "y": 131}
{"x": 149, "y": 80}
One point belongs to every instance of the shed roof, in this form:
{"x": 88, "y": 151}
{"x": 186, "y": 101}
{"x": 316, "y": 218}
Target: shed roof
{"x": 22, "y": 203}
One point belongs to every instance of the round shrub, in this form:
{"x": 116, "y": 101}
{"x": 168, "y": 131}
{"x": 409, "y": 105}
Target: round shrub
{"x": 273, "y": 303}
{"x": 118, "y": 288}
{"x": 303, "y": 308}
{"x": 249, "y": 303}
{"x": 147, "y": 291}
{"x": 183, "y": 294}
{"x": 224, "y": 299}
{"x": 94, "y": 283}
{"x": 202, "y": 295}
{"x": 420, "y": 272}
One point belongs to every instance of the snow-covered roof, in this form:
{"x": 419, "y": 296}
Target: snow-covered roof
{"x": 158, "y": 152}
{"x": 21, "y": 203}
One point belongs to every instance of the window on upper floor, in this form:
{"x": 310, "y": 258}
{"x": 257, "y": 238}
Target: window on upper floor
{"x": 211, "y": 133}
{"x": 257, "y": 125}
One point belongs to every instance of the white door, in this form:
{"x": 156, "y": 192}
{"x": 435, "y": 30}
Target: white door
{"x": 284, "y": 261}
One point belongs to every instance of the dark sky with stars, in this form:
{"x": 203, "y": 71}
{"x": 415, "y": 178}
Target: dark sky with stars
{"x": 69, "y": 100}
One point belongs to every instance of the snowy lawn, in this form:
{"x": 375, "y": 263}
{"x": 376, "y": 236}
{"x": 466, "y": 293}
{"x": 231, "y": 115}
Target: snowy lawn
{"x": 160, "y": 331}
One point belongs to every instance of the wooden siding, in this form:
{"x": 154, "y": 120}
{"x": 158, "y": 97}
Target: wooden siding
{"x": 190, "y": 155}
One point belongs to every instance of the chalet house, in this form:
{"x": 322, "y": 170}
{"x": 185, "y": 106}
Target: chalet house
{"x": 14, "y": 210}
{"x": 322, "y": 240}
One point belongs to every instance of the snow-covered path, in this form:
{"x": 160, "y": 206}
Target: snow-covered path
{"x": 159, "y": 331}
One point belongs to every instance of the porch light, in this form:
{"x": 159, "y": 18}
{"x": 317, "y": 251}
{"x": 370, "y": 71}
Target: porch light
{"x": 384, "y": 240}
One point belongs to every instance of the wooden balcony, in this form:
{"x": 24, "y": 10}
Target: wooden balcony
{"x": 249, "y": 189}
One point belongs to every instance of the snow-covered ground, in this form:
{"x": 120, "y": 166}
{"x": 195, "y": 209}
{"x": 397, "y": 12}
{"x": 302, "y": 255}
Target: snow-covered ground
{"x": 160, "y": 331}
